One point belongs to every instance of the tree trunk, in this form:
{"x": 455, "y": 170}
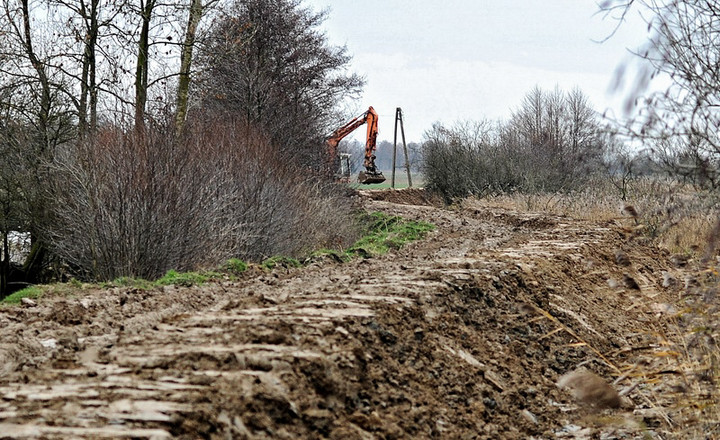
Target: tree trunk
{"x": 4, "y": 266}
{"x": 45, "y": 97}
{"x": 35, "y": 261}
{"x": 141, "y": 70}
{"x": 87, "y": 111}
{"x": 196, "y": 13}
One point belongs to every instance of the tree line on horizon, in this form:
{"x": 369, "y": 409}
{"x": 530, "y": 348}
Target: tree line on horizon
{"x": 672, "y": 132}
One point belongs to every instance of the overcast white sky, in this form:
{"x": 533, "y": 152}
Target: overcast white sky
{"x": 471, "y": 59}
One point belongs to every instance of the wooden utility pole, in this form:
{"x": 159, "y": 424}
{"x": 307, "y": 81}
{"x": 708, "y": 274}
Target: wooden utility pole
{"x": 399, "y": 119}
{"x": 392, "y": 176}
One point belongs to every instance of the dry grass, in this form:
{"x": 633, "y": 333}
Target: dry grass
{"x": 674, "y": 216}
{"x": 676, "y": 373}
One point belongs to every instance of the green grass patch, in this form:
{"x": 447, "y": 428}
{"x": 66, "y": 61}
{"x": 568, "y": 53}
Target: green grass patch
{"x": 382, "y": 233}
{"x": 28, "y": 292}
{"x": 186, "y": 279}
{"x": 234, "y": 266}
{"x": 280, "y": 261}
{"x": 385, "y": 232}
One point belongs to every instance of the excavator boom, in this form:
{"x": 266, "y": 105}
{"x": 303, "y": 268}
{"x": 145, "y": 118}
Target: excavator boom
{"x": 370, "y": 117}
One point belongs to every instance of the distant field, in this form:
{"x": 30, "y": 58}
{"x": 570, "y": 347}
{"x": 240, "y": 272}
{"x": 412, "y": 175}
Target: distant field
{"x": 401, "y": 180}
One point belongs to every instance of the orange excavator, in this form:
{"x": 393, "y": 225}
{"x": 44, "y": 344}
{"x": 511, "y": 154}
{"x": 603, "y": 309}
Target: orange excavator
{"x": 371, "y": 173}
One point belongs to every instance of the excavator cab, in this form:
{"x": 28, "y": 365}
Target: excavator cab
{"x": 371, "y": 173}
{"x": 343, "y": 170}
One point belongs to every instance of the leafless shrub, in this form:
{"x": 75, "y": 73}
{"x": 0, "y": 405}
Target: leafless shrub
{"x": 138, "y": 204}
{"x": 458, "y": 161}
{"x": 554, "y": 142}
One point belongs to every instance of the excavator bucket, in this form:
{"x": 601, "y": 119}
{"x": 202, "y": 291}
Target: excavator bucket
{"x": 367, "y": 178}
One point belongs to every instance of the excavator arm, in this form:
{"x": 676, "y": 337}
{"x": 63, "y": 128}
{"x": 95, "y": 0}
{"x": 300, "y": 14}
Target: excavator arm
{"x": 370, "y": 117}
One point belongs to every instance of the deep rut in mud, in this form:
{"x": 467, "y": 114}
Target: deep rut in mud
{"x": 461, "y": 335}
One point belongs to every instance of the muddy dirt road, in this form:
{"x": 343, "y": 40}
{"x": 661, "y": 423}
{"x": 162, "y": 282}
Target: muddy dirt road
{"x": 462, "y": 335}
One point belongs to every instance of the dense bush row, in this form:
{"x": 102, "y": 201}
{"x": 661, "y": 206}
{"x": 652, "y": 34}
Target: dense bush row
{"x": 552, "y": 143}
{"x": 129, "y": 204}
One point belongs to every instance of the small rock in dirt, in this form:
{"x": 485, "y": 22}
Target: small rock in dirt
{"x": 679, "y": 260}
{"x": 369, "y": 422}
{"x": 495, "y": 380}
{"x": 663, "y": 309}
{"x": 318, "y": 419}
{"x": 236, "y": 426}
{"x": 590, "y": 389}
{"x": 491, "y": 430}
{"x": 270, "y": 337}
{"x": 526, "y": 309}
{"x": 258, "y": 363}
{"x": 573, "y": 431}
{"x": 27, "y": 302}
{"x": 490, "y": 403}
{"x": 630, "y": 282}
{"x": 350, "y": 432}
{"x": 622, "y": 258}
{"x": 668, "y": 280}
{"x": 276, "y": 404}
{"x": 69, "y": 340}
{"x": 530, "y": 417}
{"x": 691, "y": 281}
{"x": 393, "y": 431}
{"x": 268, "y": 300}
{"x": 531, "y": 391}
{"x": 387, "y": 337}
{"x": 49, "y": 343}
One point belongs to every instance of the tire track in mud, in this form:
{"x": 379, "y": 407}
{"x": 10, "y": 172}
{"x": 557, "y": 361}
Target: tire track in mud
{"x": 432, "y": 341}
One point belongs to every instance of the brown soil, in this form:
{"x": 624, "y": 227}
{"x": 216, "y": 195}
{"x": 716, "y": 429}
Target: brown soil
{"x": 462, "y": 335}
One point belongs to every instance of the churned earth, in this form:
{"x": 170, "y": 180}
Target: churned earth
{"x": 464, "y": 335}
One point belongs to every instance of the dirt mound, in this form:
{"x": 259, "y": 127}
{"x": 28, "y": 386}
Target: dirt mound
{"x": 404, "y": 196}
{"x": 462, "y": 335}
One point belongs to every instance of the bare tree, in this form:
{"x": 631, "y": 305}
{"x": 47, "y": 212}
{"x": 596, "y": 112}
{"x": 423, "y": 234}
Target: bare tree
{"x": 14, "y": 197}
{"x": 32, "y": 97}
{"x": 560, "y": 134}
{"x": 79, "y": 29}
{"x": 267, "y": 61}
{"x": 30, "y": 70}
{"x": 681, "y": 123}
{"x": 76, "y": 76}
{"x": 467, "y": 159}
{"x": 621, "y": 163}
